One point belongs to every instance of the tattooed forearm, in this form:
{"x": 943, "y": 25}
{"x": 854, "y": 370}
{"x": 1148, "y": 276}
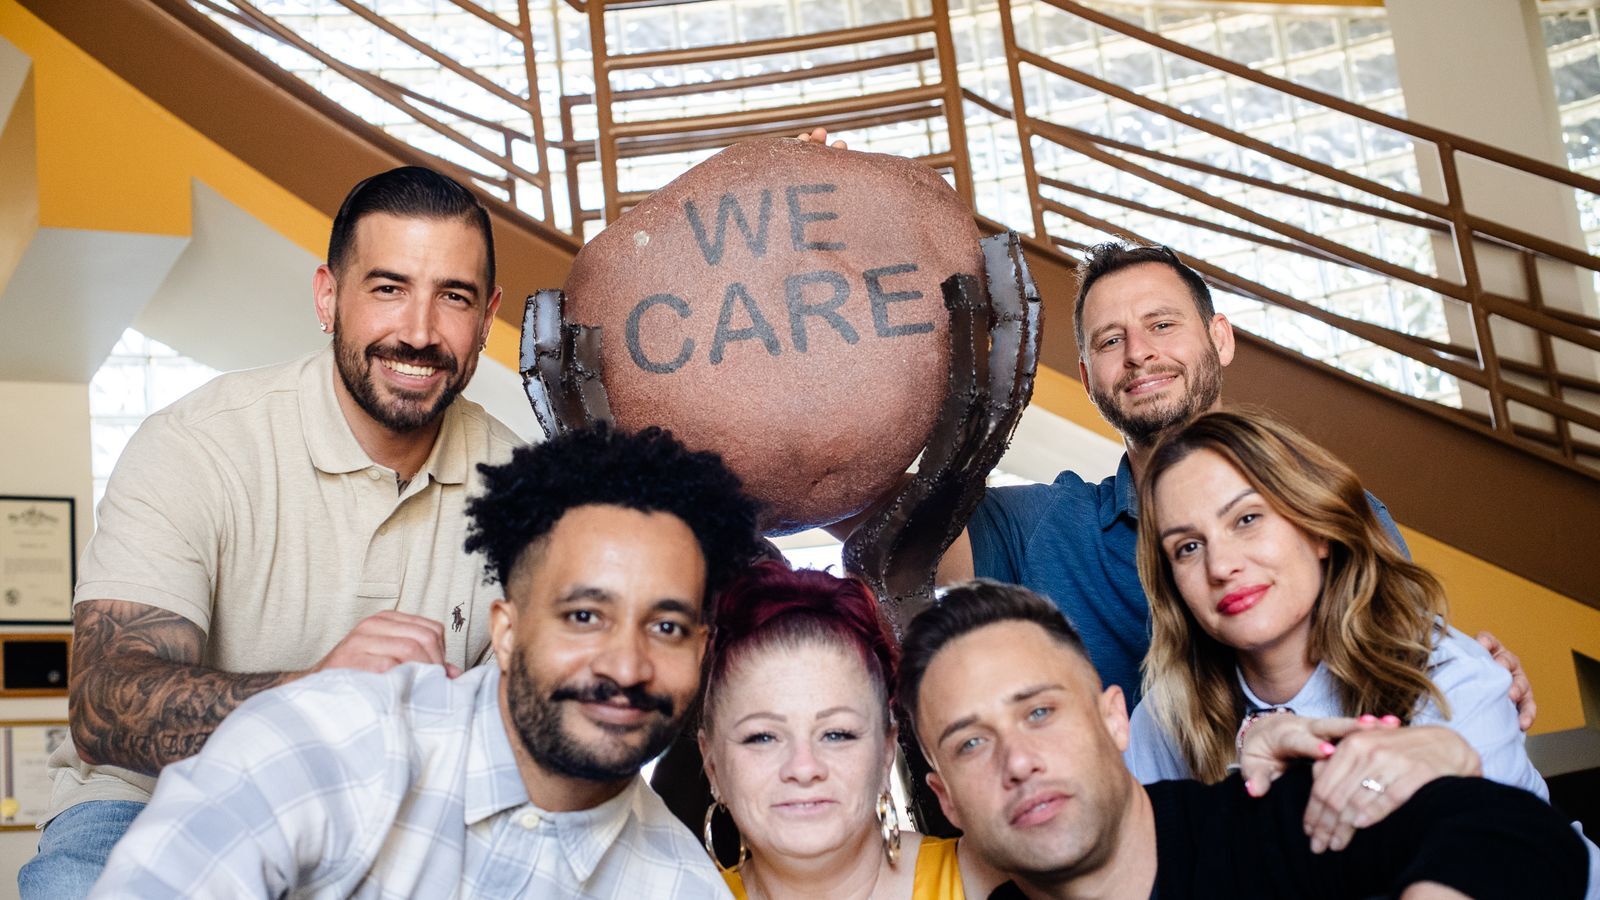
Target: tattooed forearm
{"x": 139, "y": 698}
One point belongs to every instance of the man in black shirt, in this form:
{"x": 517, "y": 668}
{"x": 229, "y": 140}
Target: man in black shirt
{"x": 1027, "y": 755}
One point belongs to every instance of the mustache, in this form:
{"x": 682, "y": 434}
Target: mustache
{"x": 1131, "y": 377}
{"x": 605, "y": 690}
{"x": 432, "y": 355}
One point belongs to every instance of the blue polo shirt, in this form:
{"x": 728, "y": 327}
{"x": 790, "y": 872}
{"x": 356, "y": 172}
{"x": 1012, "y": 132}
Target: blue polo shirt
{"x": 1075, "y": 543}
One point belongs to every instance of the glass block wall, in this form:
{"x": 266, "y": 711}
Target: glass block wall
{"x": 139, "y": 377}
{"x": 1572, "y": 40}
{"x": 1344, "y": 52}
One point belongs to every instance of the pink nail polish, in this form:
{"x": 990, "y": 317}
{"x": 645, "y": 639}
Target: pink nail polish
{"x": 1368, "y": 718}
{"x": 1325, "y": 748}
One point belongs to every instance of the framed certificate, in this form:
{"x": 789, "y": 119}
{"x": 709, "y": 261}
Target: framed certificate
{"x": 38, "y": 560}
{"x": 25, "y": 747}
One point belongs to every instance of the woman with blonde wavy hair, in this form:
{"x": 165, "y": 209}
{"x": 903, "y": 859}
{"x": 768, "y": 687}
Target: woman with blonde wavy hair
{"x": 1273, "y": 588}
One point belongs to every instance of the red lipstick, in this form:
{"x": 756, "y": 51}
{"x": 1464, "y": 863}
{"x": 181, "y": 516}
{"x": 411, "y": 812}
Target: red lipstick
{"x": 1238, "y": 601}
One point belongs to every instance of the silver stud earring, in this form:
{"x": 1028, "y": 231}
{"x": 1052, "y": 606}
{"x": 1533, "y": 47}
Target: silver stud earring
{"x": 323, "y": 326}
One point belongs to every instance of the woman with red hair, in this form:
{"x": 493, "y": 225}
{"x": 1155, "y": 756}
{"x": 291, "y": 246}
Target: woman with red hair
{"x": 799, "y": 745}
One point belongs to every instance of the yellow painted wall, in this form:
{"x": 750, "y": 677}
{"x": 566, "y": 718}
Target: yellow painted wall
{"x": 111, "y": 159}
{"x": 1538, "y": 624}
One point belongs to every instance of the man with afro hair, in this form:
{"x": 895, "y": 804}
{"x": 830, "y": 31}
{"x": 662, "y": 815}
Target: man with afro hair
{"x": 521, "y": 776}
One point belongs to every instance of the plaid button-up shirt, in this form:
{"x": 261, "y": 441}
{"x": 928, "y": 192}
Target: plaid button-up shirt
{"x": 347, "y": 784}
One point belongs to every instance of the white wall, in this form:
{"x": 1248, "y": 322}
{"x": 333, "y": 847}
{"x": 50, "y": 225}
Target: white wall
{"x": 44, "y": 451}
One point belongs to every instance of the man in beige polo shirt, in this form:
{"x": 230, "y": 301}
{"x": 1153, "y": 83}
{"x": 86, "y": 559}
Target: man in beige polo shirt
{"x": 288, "y": 519}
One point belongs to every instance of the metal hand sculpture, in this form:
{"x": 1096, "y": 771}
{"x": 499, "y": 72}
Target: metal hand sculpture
{"x": 994, "y": 353}
{"x": 560, "y": 365}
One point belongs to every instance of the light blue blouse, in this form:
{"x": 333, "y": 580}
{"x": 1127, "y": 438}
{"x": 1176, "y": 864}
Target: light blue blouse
{"x": 1473, "y": 683}
{"x": 1481, "y": 711}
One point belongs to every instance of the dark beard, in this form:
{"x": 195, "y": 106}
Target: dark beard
{"x": 404, "y": 414}
{"x": 1144, "y": 427}
{"x": 538, "y": 722}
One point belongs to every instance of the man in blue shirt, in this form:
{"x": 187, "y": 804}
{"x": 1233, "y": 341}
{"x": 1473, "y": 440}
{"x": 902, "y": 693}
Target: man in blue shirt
{"x": 1151, "y": 349}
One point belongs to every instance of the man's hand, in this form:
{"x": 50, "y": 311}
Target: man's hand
{"x": 819, "y": 135}
{"x": 1521, "y": 687}
{"x": 387, "y": 639}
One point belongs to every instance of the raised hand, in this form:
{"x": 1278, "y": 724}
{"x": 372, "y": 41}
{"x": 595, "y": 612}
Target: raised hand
{"x": 819, "y": 135}
{"x": 994, "y": 343}
{"x": 560, "y": 365}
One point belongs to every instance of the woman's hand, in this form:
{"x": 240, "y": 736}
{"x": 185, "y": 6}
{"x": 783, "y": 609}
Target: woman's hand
{"x": 1364, "y": 768}
{"x": 1275, "y": 742}
{"x": 1373, "y": 772}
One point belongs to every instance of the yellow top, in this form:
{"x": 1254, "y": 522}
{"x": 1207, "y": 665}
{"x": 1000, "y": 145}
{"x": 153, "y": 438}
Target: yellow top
{"x": 938, "y": 877}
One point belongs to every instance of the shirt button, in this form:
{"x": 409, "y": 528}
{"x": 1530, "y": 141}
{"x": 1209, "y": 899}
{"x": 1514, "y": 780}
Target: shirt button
{"x": 383, "y": 530}
{"x": 529, "y": 820}
{"x": 374, "y": 474}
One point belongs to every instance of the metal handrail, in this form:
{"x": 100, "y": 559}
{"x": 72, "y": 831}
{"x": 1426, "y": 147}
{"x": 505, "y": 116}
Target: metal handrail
{"x": 638, "y": 137}
{"x": 1540, "y": 383}
{"x": 504, "y": 172}
{"x": 1480, "y": 365}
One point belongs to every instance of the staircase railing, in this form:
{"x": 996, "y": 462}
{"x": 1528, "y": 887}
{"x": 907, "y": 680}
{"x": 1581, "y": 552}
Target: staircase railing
{"x": 623, "y": 133}
{"x": 1530, "y": 401}
{"x": 1526, "y": 356}
{"x": 507, "y": 159}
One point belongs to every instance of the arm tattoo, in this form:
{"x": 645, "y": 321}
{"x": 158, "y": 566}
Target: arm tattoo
{"x": 139, "y": 698}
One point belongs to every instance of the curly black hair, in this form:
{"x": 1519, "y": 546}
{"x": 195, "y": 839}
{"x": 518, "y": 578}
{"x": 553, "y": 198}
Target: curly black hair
{"x": 648, "y": 471}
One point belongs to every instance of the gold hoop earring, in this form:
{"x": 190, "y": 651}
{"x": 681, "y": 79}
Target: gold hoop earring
{"x": 709, "y": 840}
{"x": 889, "y": 826}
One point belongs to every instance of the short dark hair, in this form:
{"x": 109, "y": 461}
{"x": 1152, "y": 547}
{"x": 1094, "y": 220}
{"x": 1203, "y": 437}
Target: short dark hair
{"x": 411, "y": 192}
{"x": 1114, "y": 256}
{"x": 648, "y": 471}
{"x": 964, "y": 609}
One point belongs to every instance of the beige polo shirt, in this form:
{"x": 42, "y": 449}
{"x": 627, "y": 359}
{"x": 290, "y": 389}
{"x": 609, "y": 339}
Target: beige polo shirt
{"x": 249, "y": 509}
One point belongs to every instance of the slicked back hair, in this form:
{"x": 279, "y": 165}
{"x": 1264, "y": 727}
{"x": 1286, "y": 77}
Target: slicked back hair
{"x": 1114, "y": 256}
{"x": 962, "y": 610}
{"x": 648, "y": 471}
{"x": 410, "y": 192}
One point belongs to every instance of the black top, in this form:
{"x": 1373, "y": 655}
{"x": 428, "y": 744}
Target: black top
{"x": 1481, "y": 838}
